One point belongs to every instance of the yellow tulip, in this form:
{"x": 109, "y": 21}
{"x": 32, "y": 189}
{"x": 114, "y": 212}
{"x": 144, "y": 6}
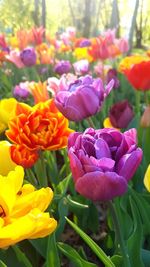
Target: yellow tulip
{"x": 22, "y": 209}
{"x": 82, "y": 53}
{"x": 147, "y": 178}
{"x": 7, "y": 110}
{"x": 6, "y": 163}
{"x": 128, "y": 62}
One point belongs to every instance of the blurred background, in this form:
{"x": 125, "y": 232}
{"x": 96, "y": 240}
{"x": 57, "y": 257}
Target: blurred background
{"x": 90, "y": 18}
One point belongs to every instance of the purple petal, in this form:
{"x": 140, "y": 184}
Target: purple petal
{"x": 88, "y": 147}
{"x": 129, "y": 163}
{"x": 75, "y": 165}
{"x": 99, "y": 186}
{"x": 102, "y": 149}
{"x": 106, "y": 164}
{"x": 74, "y": 140}
{"x": 131, "y": 136}
{"x": 109, "y": 87}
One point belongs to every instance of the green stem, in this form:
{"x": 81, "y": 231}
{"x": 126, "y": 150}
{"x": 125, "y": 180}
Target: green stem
{"x": 146, "y": 98}
{"x": 31, "y": 177}
{"x": 118, "y": 234}
{"x": 40, "y": 169}
{"x": 138, "y": 102}
{"x": 90, "y": 122}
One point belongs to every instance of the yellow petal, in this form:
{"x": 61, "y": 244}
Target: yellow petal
{"x": 33, "y": 225}
{"x": 9, "y": 186}
{"x": 107, "y": 124}
{"x": 147, "y": 178}
{"x": 38, "y": 199}
{"x": 6, "y": 163}
{"x": 7, "y": 109}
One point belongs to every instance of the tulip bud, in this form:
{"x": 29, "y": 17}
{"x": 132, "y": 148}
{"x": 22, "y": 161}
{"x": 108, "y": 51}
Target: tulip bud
{"x": 121, "y": 114}
{"x": 28, "y": 57}
{"x": 145, "y": 120}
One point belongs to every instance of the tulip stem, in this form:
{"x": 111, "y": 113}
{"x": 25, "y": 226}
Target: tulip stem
{"x": 90, "y": 122}
{"x": 118, "y": 234}
{"x": 31, "y": 177}
{"x": 138, "y": 102}
{"x": 40, "y": 170}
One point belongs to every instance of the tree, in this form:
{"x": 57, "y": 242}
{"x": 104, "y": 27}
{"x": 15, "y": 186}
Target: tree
{"x": 115, "y": 20}
{"x": 133, "y": 25}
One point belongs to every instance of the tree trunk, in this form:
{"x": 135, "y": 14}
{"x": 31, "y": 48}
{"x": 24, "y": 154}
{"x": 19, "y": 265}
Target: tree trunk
{"x": 133, "y": 24}
{"x": 36, "y": 13}
{"x": 43, "y": 13}
{"x": 114, "y": 21}
{"x": 139, "y": 29}
{"x": 87, "y": 18}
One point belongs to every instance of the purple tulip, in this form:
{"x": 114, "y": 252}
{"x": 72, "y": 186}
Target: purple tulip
{"x": 82, "y": 98}
{"x": 28, "y": 57}
{"x": 21, "y": 91}
{"x": 85, "y": 43}
{"x": 112, "y": 74}
{"x": 62, "y": 67}
{"x": 81, "y": 67}
{"x": 103, "y": 161}
{"x": 121, "y": 114}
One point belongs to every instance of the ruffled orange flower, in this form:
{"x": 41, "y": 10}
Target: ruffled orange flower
{"x": 41, "y": 127}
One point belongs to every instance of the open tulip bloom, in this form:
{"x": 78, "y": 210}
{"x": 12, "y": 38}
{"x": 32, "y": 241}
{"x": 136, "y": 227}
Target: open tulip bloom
{"x": 103, "y": 161}
{"x": 82, "y": 98}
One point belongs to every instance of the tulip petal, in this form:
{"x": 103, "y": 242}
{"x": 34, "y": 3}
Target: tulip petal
{"x": 128, "y": 164}
{"x": 75, "y": 165}
{"x": 101, "y": 148}
{"x": 99, "y": 186}
{"x": 147, "y": 179}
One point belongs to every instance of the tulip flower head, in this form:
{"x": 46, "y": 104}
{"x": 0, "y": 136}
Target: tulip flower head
{"x": 21, "y": 91}
{"x": 103, "y": 161}
{"x": 22, "y": 210}
{"x": 62, "y": 67}
{"x": 139, "y": 76}
{"x": 73, "y": 100}
{"x": 120, "y": 114}
{"x": 43, "y": 127}
{"x": 28, "y": 57}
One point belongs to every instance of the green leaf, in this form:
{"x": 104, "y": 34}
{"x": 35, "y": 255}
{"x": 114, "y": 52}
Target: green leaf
{"x": 134, "y": 242}
{"x": 52, "y": 259}
{"x": 40, "y": 245}
{"x": 144, "y": 210}
{"x": 76, "y": 204}
{"x": 94, "y": 247}
{"x": 21, "y": 256}
{"x": 2, "y": 264}
{"x": 74, "y": 256}
{"x": 117, "y": 260}
{"x": 63, "y": 211}
{"x": 63, "y": 185}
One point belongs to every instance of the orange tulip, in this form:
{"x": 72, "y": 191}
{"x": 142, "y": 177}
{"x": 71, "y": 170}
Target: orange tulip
{"x": 41, "y": 127}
